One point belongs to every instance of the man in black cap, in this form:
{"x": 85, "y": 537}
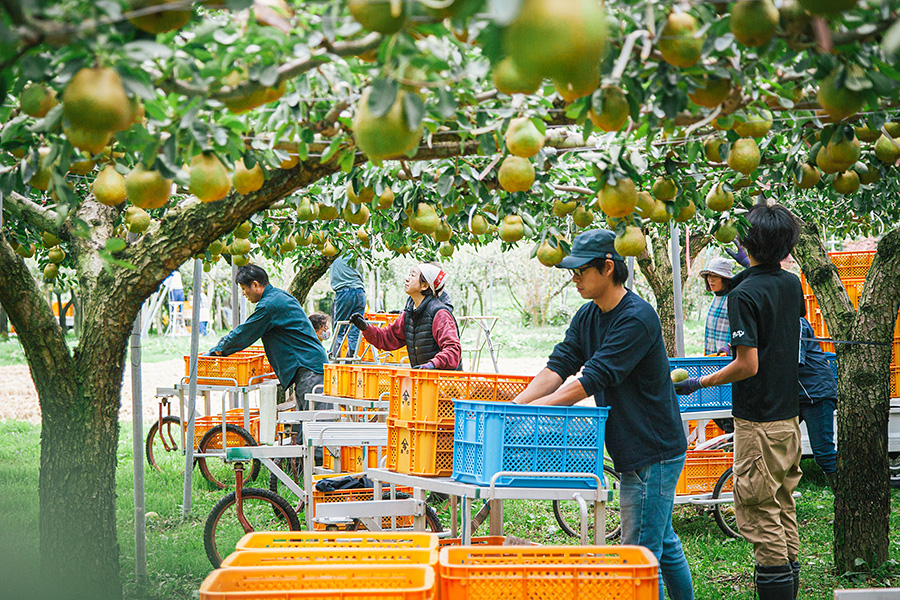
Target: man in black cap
{"x": 616, "y": 341}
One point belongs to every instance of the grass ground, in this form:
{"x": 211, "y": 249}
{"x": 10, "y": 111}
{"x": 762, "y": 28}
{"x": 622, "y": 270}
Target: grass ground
{"x": 177, "y": 564}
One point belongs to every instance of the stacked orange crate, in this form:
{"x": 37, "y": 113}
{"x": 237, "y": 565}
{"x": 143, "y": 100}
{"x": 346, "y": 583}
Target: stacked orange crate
{"x": 421, "y": 416}
{"x": 852, "y": 269}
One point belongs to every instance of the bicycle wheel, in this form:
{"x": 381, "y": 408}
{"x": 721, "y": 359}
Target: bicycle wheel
{"x": 216, "y": 471}
{"x": 293, "y": 466}
{"x": 724, "y": 513}
{"x": 568, "y": 515}
{"x": 223, "y": 529}
{"x": 163, "y": 446}
{"x": 432, "y": 523}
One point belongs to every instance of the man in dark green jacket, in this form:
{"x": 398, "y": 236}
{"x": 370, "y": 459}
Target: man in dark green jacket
{"x": 291, "y": 344}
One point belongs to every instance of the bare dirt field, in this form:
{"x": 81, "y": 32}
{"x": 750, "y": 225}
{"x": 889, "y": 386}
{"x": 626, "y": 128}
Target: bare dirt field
{"x": 19, "y": 400}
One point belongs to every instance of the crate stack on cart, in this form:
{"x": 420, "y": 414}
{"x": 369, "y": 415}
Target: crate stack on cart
{"x": 852, "y": 269}
{"x": 421, "y": 416}
{"x": 412, "y": 566}
{"x": 239, "y": 369}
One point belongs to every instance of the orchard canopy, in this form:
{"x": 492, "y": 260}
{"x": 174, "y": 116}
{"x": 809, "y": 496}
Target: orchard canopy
{"x": 236, "y": 129}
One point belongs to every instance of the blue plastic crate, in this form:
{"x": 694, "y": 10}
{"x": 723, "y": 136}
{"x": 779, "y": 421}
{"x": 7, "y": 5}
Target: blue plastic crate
{"x": 489, "y": 437}
{"x": 831, "y": 357}
{"x": 711, "y": 398}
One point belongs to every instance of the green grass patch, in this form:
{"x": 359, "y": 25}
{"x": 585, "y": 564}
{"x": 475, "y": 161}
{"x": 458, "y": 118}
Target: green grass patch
{"x": 177, "y": 563}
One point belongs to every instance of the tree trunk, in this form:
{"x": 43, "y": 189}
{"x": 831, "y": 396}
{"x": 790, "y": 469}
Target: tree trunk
{"x": 79, "y": 435}
{"x": 308, "y": 275}
{"x": 4, "y": 323}
{"x": 862, "y": 495}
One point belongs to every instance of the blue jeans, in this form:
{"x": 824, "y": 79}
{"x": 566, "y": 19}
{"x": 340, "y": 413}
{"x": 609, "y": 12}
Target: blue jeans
{"x": 646, "y": 501}
{"x": 346, "y": 302}
{"x": 819, "y": 418}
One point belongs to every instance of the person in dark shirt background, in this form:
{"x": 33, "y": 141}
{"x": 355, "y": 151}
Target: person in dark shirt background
{"x": 764, "y": 311}
{"x": 818, "y": 398}
{"x": 616, "y": 340}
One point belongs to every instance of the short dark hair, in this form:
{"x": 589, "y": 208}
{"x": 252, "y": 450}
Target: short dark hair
{"x": 247, "y": 274}
{"x": 773, "y": 233}
{"x": 318, "y": 320}
{"x": 620, "y": 269}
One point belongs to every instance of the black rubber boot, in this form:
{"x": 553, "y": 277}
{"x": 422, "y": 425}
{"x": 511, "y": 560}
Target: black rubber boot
{"x": 830, "y": 477}
{"x": 775, "y": 583}
{"x": 795, "y": 572}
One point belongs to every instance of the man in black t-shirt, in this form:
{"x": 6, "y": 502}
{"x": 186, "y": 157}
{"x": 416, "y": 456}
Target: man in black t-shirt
{"x": 616, "y": 343}
{"x": 764, "y": 311}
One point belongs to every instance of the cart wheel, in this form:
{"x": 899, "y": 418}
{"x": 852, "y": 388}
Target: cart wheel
{"x": 216, "y": 471}
{"x": 293, "y": 466}
{"x": 264, "y": 511}
{"x": 724, "y": 513}
{"x": 568, "y": 514}
{"x": 163, "y": 447}
{"x": 432, "y": 523}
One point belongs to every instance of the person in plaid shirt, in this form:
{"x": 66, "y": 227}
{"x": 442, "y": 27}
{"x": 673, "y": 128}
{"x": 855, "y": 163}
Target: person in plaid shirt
{"x": 718, "y": 281}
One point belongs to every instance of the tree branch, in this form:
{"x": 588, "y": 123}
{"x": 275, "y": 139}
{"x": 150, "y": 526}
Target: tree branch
{"x": 32, "y": 213}
{"x": 286, "y": 71}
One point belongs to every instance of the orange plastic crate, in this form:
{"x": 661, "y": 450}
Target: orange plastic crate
{"x": 336, "y": 540}
{"x": 426, "y": 396}
{"x": 852, "y": 264}
{"x": 358, "y": 495}
{"x": 324, "y": 555}
{"x": 352, "y": 458}
{"x": 234, "y": 416}
{"x": 336, "y": 582}
{"x": 702, "y": 470}
{"x": 424, "y": 449}
{"x": 711, "y": 431}
{"x": 340, "y": 380}
{"x": 240, "y": 367}
{"x": 558, "y": 572}
{"x": 895, "y": 381}
{"x": 373, "y": 381}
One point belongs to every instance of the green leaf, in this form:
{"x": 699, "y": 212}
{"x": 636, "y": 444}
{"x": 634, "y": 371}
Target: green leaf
{"x": 414, "y": 109}
{"x": 382, "y": 96}
{"x": 146, "y": 50}
{"x": 890, "y": 43}
{"x": 445, "y": 183}
{"x": 446, "y": 103}
{"x": 269, "y": 76}
{"x": 331, "y": 150}
{"x": 114, "y": 245}
{"x": 346, "y": 161}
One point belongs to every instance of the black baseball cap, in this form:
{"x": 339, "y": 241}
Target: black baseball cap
{"x": 596, "y": 243}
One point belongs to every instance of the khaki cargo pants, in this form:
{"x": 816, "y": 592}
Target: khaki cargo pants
{"x": 766, "y": 473}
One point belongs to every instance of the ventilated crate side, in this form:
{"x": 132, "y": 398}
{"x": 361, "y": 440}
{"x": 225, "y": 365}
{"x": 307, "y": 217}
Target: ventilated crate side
{"x": 557, "y": 573}
{"x": 334, "y": 539}
{"x": 702, "y": 469}
{"x": 499, "y": 436}
{"x": 369, "y": 582}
